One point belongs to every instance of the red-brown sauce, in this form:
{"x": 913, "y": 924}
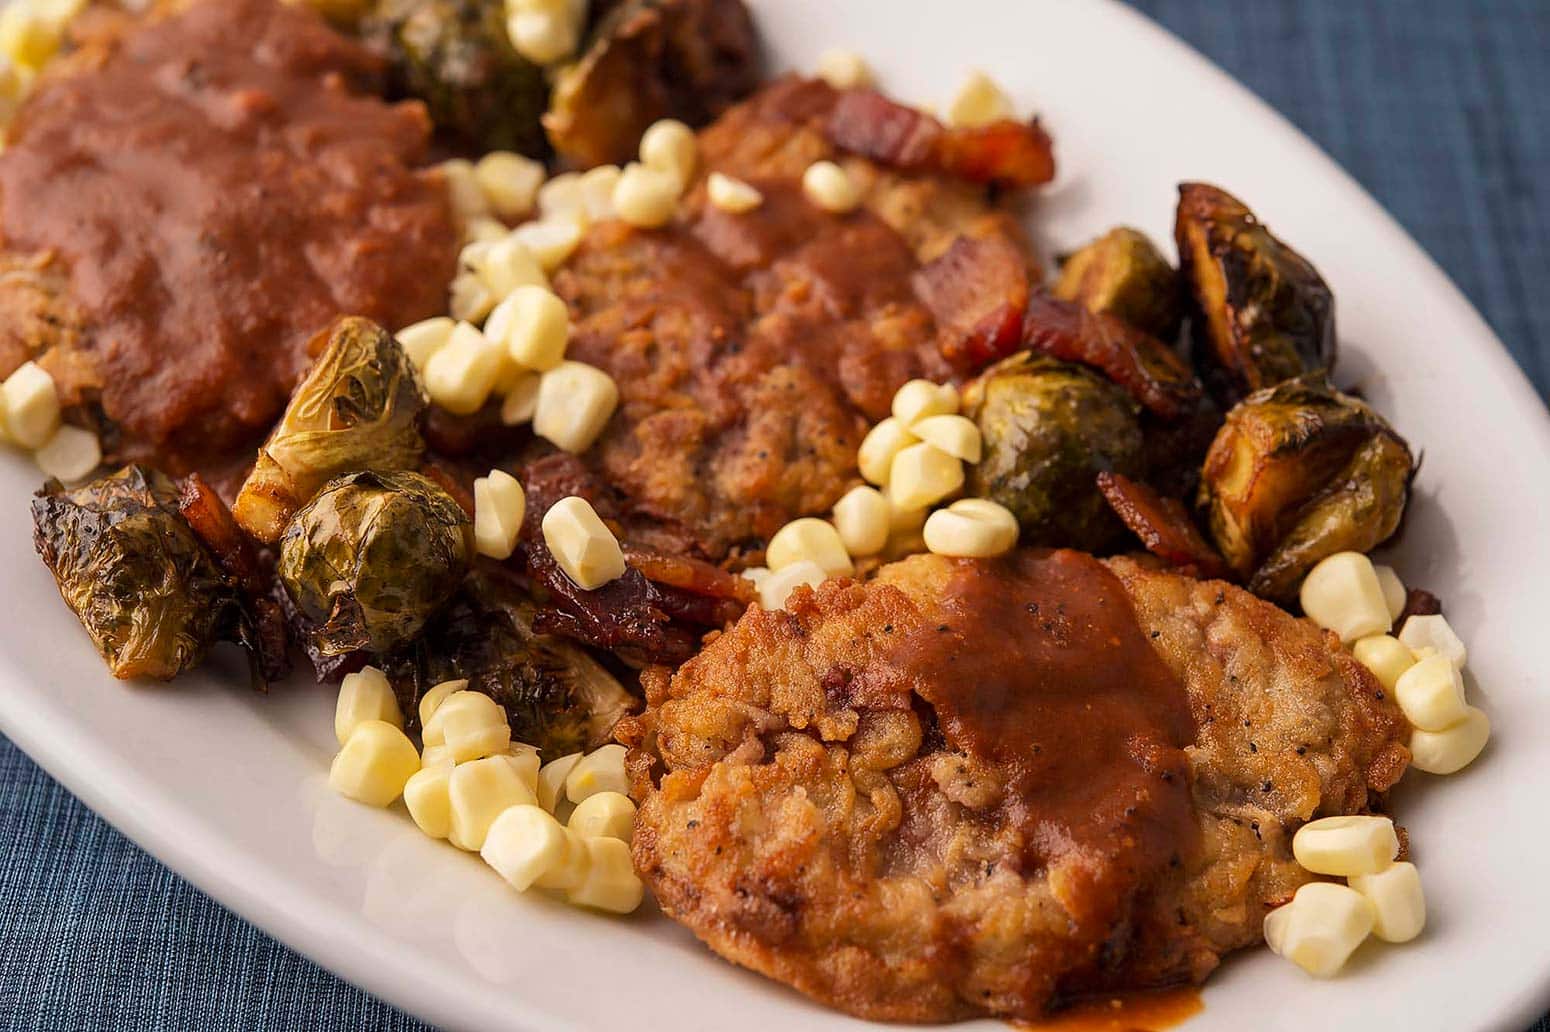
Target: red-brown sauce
{"x": 1131, "y": 1012}
{"x": 221, "y": 187}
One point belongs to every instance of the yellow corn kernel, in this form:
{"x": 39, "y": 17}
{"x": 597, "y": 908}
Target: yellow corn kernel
{"x": 596, "y": 188}
{"x": 423, "y": 339}
{"x": 776, "y": 588}
{"x": 582, "y": 544}
{"x": 551, "y": 779}
{"x": 1451, "y": 750}
{"x": 509, "y": 183}
{"x": 843, "y": 69}
{"x": 470, "y": 724}
{"x": 978, "y": 102}
{"x": 604, "y": 814}
{"x": 646, "y": 197}
{"x": 732, "y": 195}
{"x": 28, "y": 39}
{"x": 956, "y": 435}
{"x": 533, "y": 325}
{"x": 812, "y": 539}
{"x": 972, "y": 528}
{"x": 499, "y": 506}
{"x": 506, "y": 264}
{"x": 552, "y": 239}
{"x": 561, "y": 197}
{"x": 468, "y": 201}
{"x": 1346, "y": 845}
{"x": 468, "y": 299}
{"x": 1434, "y": 632}
{"x": 861, "y": 517}
{"x": 1386, "y": 656}
{"x": 544, "y": 37}
{"x": 31, "y": 405}
{"x": 1431, "y": 694}
{"x": 437, "y": 756}
{"x": 365, "y": 695}
{"x": 1320, "y": 928}
{"x": 1342, "y": 594}
{"x": 71, "y": 455}
{"x": 1394, "y": 593}
{"x": 923, "y": 475}
{"x": 482, "y": 229}
{"x": 669, "y": 146}
{"x": 461, "y": 375}
{"x": 831, "y": 188}
{"x": 601, "y": 770}
{"x": 428, "y": 801}
{"x": 922, "y": 399}
{"x": 375, "y": 763}
{"x": 878, "y": 448}
{"x": 610, "y": 882}
{"x": 438, "y": 694}
{"x": 575, "y": 402}
{"x": 525, "y": 844}
{"x": 1399, "y": 905}
{"x": 478, "y": 792}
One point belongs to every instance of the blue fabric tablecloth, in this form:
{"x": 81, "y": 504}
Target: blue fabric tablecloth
{"x": 1441, "y": 108}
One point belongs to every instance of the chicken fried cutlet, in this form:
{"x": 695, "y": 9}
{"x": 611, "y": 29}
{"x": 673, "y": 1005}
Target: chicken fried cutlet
{"x": 989, "y": 786}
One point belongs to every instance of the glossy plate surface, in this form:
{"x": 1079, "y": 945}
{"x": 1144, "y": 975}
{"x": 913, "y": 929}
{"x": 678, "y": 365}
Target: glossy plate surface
{"x": 227, "y": 786}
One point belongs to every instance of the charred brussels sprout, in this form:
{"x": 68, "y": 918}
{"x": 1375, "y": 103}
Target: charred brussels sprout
{"x": 150, "y": 595}
{"x": 557, "y": 696}
{"x": 1261, "y": 313}
{"x": 1122, "y": 273}
{"x": 1298, "y": 472}
{"x": 1049, "y": 429}
{"x": 651, "y": 59}
{"x": 358, "y": 408}
{"x": 456, "y": 57}
{"x": 373, "y": 557}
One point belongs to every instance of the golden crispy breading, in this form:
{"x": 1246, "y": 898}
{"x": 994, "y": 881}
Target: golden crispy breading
{"x": 809, "y": 814}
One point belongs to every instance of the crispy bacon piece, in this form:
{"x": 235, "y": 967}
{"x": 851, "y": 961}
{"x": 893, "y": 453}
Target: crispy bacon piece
{"x": 977, "y": 291}
{"x": 1163, "y": 525}
{"x": 1007, "y": 153}
{"x": 1144, "y": 366}
{"x": 695, "y": 576}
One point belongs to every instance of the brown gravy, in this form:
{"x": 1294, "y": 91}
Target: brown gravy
{"x": 220, "y": 188}
{"x": 1131, "y": 1012}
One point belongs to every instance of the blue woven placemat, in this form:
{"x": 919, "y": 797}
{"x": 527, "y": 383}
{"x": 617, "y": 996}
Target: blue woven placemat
{"x": 1442, "y": 109}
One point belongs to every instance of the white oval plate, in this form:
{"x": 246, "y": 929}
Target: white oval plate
{"x": 227, "y": 786}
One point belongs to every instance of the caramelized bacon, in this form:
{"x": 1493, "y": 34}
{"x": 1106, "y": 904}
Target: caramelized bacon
{"x": 1163, "y": 525}
{"x": 977, "y": 290}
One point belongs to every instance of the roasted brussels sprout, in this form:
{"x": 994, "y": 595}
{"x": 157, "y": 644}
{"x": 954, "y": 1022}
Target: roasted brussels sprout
{"x": 651, "y": 59}
{"x": 557, "y": 696}
{"x": 1049, "y": 429}
{"x": 372, "y": 557}
{"x": 1123, "y": 274}
{"x": 148, "y": 592}
{"x": 1298, "y": 472}
{"x": 358, "y": 408}
{"x": 1261, "y": 313}
{"x": 455, "y": 55}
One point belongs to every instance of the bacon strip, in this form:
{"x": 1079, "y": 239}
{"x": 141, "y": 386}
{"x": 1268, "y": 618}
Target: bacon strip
{"x": 977, "y": 290}
{"x": 1163, "y": 525}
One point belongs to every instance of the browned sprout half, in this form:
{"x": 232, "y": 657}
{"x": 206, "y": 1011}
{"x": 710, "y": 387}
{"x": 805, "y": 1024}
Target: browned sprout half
{"x": 358, "y": 408}
{"x": 645, "y": 60}
{"x": 1261, "y": 313}
{"x": 145, "y": 588}
{"x": 1123, "y": 274}
{"x": 1298, "y": 472}
{"x": 1049, "y": 429}
{"x": 372, "y": 557}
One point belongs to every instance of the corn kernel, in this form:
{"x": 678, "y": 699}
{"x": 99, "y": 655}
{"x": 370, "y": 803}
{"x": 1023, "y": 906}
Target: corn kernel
{"x": 732, "y": 195}
{"x": 470, "y": 724}
{"x": 1342, "y": 594}
{"x": 596, "y": 189}
{"x": 437, "y": 756}
{"x": 506, "y": 264}
{"x": 551, "y": 240}
{"x": 375, "y": 763}
{"x": 509, "y": 183}
{"x": 438, "y": 694}
{"x": 906, "y": 530}
{"x": 1431, "y": 694}
{"x": 575, "y": 402}
{"x": 604, "y": 814}
{"x": 646, "y": 197}
{"x": 1450, "y": 751}
{"x": 1394, "y": 593}
{"x": 478, "y": 792}
{"x": 861, "y": 517}
{"x": 365, "y": 695}
{"x": 1386, "y": 656}
{"x": 972, "y": 528}
{"x": 524, "y": 844}
{"x": 462, "y": 374}
{"x": 585, "y": 548}
{"x": 775, "y": 589}
{"x": 533, "y": 324}
{"x": 878, "y": 448}
{"x": 922, "y": 399}
{"x": 1346, "y": 845}
{"x": 468, "y": 201}
{"x": 1434, "y": 632}
{"x": 955, "y": 435}
{"x": 426, "y": 797}
{"x": 843, "y": 69}
{"x": 978, "y": 102}
{"x": 71, "y": 455}
{"x": 1399, "y": 905}
{"x": 26, "y": 39}
{"x": 521, "y": 402}
{"x": 831, "y": 188}
{"x": 610, "y": 883}
{"x": 811, "y": 539}
{"x": 561, "y": 197}
{"x": 423, "y": 339}
{"x": 499, "y": 506}
{"x": 923, "y": 475}
{"x": 31, "y": 405}
{"x": 551, "y": 779}
{"x": 543, "y": 37}
{"x": 669, "y": 146}
{"x": 468, "y": 299}
{"x": 526, "y": 760}
{"x": 1320, "y": 928}
{"x": 482, "y": 229}
{"x": 601, "y": 770}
